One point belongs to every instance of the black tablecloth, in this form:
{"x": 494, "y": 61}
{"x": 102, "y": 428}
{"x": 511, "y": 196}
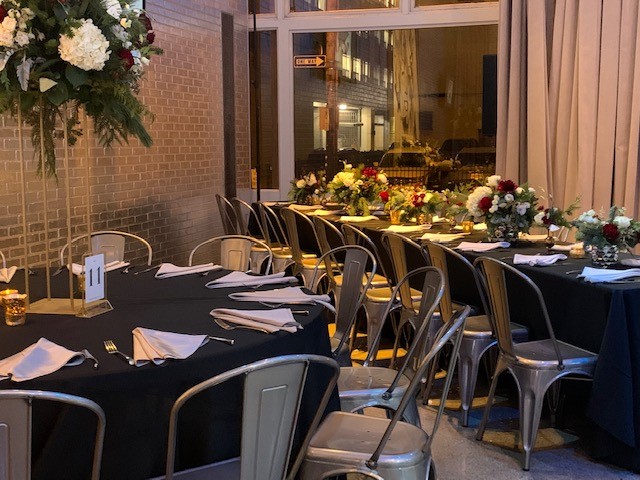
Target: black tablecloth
{"x": 137, "y": 401}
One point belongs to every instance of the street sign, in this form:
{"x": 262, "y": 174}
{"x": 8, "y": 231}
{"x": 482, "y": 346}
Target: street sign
{"x": 309, "y": 61}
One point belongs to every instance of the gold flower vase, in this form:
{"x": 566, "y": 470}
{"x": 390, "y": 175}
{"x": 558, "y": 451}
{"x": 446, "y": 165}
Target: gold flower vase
{"x": 395, "y": 217}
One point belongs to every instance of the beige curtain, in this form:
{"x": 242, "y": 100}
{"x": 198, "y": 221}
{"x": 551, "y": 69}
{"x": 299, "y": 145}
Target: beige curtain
{"x": 569, "y": 99}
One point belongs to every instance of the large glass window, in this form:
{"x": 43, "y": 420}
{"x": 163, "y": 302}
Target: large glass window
{"x": 262, "y": 6}
{"x": 424, "y": 3}
{"x": 332, "y": 5}
{"x": 420, "y": 103}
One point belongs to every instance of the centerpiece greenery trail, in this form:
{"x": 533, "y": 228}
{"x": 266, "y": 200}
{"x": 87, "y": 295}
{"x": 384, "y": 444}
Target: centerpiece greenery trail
{"x": 508, "y": 209}
{"x": 310, "y": 189}
{"x": 616, "y": 229}
{"x": 554, "y": 216}
{"x": 59, "y": 54}
{"x": 357, "y": 187}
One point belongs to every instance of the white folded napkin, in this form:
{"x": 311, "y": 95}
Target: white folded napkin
{"x": 357, "y": 218}
{"x": 303, "y": 208}
{"x": 168, "y": 270}
{"x": 270, "y": 320}
{"x": 567, "y": 248}
{"x": 241, "y": 279}
{"x": 77, "y": 269}
{"x": 481, "y": 247}
{"x": 533, "y": 237}
{"x": 598, "y": 275}
{"x": 519, "y": 259}
{"x": 477, "y": 226}
{"x": 630, "y": 262}
{"x": 443, "y": 237}
{"x": 407, "y": 228}
{"x": 320, "y": 212}
{"x": 41, "y": 358}
{"x": 157, "y": 346}
{"x": 6, "y": 274}
{"x": 291, "y": 295}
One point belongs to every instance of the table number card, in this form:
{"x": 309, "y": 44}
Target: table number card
{"x": 94, "y": 283}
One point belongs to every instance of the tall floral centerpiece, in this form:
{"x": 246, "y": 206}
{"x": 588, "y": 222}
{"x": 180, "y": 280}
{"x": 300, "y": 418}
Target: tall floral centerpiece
{"x": 58, "y": 56}
{"x": 357, "y": 187}
{"x": 607, "y": 235}
{"x": 507, "y": 208}
{"x": 310, "y": 189}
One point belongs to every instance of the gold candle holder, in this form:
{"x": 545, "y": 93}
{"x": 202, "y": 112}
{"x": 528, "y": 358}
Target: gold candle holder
{"x": 15, "y": 309}
{"x": 577, "y": 252}
{"x": 467, "y": 226}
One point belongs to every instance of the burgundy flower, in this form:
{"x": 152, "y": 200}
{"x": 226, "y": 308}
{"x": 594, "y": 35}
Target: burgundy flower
{"x": 540, "y": 208}
{"x": 610, "y": 232}
{"x": 485, "y": 203}
{"x": 146, "y": 21}
{"x": 369, "y": 172}
{"x": 507, "y": 186}
{"x": 151, "y": 37}
{"x": 126, "y": 57}
{"x": 384, "y": 196}
{"x": 546, "y": 220}
{"x": 3, "y": 12}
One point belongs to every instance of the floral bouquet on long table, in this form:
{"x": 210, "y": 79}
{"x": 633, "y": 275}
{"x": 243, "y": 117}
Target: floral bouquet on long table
{"x": 357, "y": 188}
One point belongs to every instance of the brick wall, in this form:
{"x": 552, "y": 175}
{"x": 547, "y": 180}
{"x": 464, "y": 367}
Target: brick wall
{"x": 165, "y": 193}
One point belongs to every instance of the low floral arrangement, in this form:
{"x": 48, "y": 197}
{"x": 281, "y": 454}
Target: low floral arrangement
{"x": 70, "y": 54}
{"x": 507, "y": 208}
{"x": 357, "y": 187}
{"x": 555, "y": 217}
{"x": 394, "y": 198}
{"x": 454, "y": 202}
{"x": 421, "y": 203}
{"x": 310, "y": 189}
{"x": 615, "y": 229}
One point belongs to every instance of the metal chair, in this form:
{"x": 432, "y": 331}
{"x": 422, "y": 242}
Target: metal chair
{"x": 230, "y": 222}
{"x": 244, "y": 214}
{"x": 353, "y": 269}
{"x": 478, "y": 334}
{"x": 304, "y": 265}
{"x": 273, "y": 390}
{"x": 535, "y": 365}
{"x": 276, "y": 238}
{"x": 109, "y": 242}
{"x": 390, "y": 449}
{"x": 4, "y": 260}
{"x": 15, "y": 424}
{"x": 235, "y": 251}
{"x": 371, "y": 386}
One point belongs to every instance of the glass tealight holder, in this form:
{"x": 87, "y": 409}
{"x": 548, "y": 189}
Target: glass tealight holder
{"x": 15, "y": 311}
{"x": 467, "y": 226}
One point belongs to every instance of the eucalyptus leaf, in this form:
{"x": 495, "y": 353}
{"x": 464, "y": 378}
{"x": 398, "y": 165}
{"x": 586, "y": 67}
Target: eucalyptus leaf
{"x": 76, "y": 76}
{"x": 58, "y": 94}
{"x": 60, "y": 12}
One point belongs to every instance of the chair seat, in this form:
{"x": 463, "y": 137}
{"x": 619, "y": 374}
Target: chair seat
{"x": 355, "y": 437}
{"x": 479, "y": 326}
{"x": 331, "y": 327}
{"x": 310, "y": 263}
{"x": 376, "y": 282}
{"x": 383, "y": 354}
{"x": 368, "y": 381}
{"x": 383, "y": 294}
{"x": 541, "y": 354}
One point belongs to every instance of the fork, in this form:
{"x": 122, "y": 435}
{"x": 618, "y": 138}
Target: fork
{"x": 111, "y": 349}
{"x": 224, "y": 325}
{"x": 126, "y": 270}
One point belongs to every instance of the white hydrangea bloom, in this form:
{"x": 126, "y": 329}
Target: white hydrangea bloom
{"x": 87, "y": 49}
{"x": 622, "y": 222}
{"x": 382, "y": 178}
{"x": 493, "y": 180}
{"x": 475, "y": 197}
{"x": 301, "y": 183}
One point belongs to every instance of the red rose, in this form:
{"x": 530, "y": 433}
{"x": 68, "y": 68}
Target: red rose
{"x": 369, "y": 172}
{"x": 507, "y": 186}
{"x": 146, "y": 21}
{"x": 384, "y": 195}
{"x": 540, "y": 208}
{"x": 3, "y": 12}
{"x": 610, "y": 232}
{"x": 126, "y": 57}
{"x": 151, "y": 37}
{"x": 485, "y": 203}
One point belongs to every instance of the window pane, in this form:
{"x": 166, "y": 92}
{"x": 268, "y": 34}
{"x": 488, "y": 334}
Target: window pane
{"x": 419, "y": 103}
{"x": 332, "y": 5}
{"x": 264, "y": 158}
{"x": 424, "y": 3}
{"x": 262, "y": 6}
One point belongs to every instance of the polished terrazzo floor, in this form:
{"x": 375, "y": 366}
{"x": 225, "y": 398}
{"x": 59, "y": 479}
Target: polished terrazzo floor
{"x": 459, "y": 456}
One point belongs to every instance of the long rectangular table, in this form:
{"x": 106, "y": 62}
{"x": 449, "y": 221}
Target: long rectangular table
{"x": 137, "y": 401}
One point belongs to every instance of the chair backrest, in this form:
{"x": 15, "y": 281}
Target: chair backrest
{"x": 16, "y": 430}
{"x": 438, "y": 255}
{"x": 4, "y": 260}
{"x": 272, "y": 226}
{"x": 234, "y": 252}
{"x": 355, "y": 236}
{"x": 356, "y": 280}
{"x": 273, "y": 391}
{"x": 452, "y": 330}
{"x": 230, "y": 222}
{"x": 245, "y": 213}
{"x": 493, "y": 272}
{"x": 399, "y": 248}
{"x": 432, "y": 289}
{"x": 109, "y": 242}
{"x": 329, "y": 236}
{"x": 291, "y": 218}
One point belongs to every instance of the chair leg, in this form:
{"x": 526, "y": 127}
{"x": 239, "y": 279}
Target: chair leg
{"x": 467, "y": 377}
{"x": 500, "y": 367}
{"x": 553, "y": 398}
